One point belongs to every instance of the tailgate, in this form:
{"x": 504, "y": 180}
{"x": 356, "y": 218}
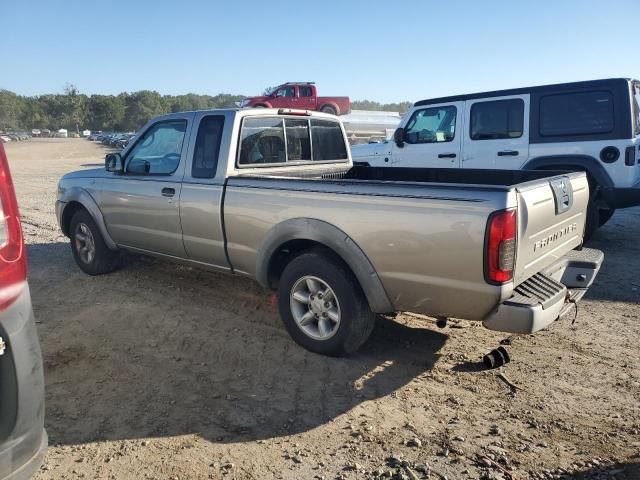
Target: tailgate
{"x": 551, "y": 220}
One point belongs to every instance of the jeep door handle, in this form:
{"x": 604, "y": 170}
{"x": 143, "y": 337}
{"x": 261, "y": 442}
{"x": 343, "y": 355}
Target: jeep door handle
{"x": 508, "y": 153}
{"x": 446, "y": 155}
{"x": 168, "y": 192}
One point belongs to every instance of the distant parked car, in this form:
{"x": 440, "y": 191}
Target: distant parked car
{"x": 62, "y": 133}
{"x": 45, "y": 133}
{"x": 23, "y": 439}
{"x": 125, "y": 140}
{"x": 86, "y": 133}
{"x": 36, "y": 132}
{"x": 94, "y": 135}
{"x": 4, "y": 139}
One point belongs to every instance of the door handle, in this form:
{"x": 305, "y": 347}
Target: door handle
{"x": 168, "y": 192}
{"x": 508, "y": 153}
{"x": 447, "y": 155}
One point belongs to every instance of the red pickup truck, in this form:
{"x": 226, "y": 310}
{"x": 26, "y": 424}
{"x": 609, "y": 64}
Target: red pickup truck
{"x": 302, "y": 95}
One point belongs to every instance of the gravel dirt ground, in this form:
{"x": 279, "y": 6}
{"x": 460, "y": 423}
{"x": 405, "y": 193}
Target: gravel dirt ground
{"x": 162, "y": 371}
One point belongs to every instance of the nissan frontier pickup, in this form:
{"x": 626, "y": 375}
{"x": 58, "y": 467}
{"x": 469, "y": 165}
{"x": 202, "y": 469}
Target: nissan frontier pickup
{"x": 273, "y": 195}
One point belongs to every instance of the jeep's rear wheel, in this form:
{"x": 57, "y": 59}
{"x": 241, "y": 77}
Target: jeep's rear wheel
{"x": 322, "y": 305}
{"x": 592, "y": 222}
{"x": 88, "y": 246}
{"x": 605, "y": 215}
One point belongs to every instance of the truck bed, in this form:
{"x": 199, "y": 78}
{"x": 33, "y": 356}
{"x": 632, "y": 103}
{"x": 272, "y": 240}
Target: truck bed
{"x": 503, "y": 179}
{"x": 423, "y": 229}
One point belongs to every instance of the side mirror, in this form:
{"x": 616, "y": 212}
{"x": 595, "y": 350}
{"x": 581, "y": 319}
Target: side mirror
{"x": 139, "y": 167}
{"x": 398, "y": 137}
{"x": 113, "y": 163}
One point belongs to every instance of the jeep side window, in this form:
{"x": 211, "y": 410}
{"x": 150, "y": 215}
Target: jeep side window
{"x": 497, "y": 119}
{"x": 159, "y": 149}
{"x": 207, "y": 148}
{"x": 581, "y": 113}
{"x": 432, "y": 125}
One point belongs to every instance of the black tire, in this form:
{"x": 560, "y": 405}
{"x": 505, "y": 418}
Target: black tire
{"x": 593, "y": 220}
{"x": 328, "y": 109}
{"x": 103, "y": 260}
{"x": 605, "y": 215}
{"x": 356, "y": 318}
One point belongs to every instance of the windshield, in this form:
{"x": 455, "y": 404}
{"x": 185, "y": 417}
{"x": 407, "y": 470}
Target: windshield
{"x": 269, "y": 90}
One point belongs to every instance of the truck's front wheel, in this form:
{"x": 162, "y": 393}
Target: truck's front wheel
{"x": 322, "y": 305}
{"x": 89, "y": 248}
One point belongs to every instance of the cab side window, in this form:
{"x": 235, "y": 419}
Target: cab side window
{"x": 286, "y": 92}
{"x": 305, "y": 91}
{"x": 432, "y": 125}
{"x": 159, "y": 149}
{"x": 497, "y": 119}
{"x": 207, "y": 148}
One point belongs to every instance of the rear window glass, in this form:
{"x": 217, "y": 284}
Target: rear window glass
{"x": 278, "y": 140}
{"x": 298, "y": 141}
{"x": 262, "y": 141}
{"x": 497, "y": 119}
{"x": 580, "y": 113}
{"x": 328, "y": 141}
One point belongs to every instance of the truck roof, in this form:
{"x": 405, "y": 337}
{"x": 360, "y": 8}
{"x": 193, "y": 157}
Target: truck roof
{"x": 253, "y": 112}
{"x": 524, "y": 90}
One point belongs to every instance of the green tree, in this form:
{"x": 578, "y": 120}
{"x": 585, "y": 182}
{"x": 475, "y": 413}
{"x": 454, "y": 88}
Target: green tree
{"x": 124, "y": 112}
{"x": 11, "y": 107}
{"x": 105, "y": 112}
{"x": 73, "y": 107}
{"x": 141, "y": 107}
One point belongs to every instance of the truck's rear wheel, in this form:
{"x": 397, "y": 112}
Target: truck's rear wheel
{"x": 89, "y": 248}
{"x": 328, "y": 109}
{"x": 322, "y": 305}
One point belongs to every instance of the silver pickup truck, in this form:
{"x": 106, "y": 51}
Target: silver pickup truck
{"x": 273, "y": 195}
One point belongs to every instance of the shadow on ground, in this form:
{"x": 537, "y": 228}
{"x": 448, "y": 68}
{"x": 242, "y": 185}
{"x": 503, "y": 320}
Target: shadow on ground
{"x": 621, "y": 471}
{"x": 157, "y": 349}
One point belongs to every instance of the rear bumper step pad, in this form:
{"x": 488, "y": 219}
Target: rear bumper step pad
{"x": 548, "y": 295}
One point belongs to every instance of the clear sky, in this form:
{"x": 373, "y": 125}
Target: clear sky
{"x": 379, "y": 50}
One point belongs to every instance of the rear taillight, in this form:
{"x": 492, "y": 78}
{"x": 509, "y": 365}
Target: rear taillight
{"x": 500, "y": 246}
{"x": 13, "y": 258}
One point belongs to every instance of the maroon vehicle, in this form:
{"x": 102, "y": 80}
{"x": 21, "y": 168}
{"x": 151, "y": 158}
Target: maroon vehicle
{"x": 299, "y": 95}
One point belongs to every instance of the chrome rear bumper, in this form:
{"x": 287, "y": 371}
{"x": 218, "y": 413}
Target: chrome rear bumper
{"x": 548, "y": 295}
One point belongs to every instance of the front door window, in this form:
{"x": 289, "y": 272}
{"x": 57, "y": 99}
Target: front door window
{"x": 432, "y": 125}
{"x": 158, "y": 151}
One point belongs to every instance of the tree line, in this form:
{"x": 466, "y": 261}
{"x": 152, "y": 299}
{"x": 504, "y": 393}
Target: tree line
{"x": 124, "y": 112}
